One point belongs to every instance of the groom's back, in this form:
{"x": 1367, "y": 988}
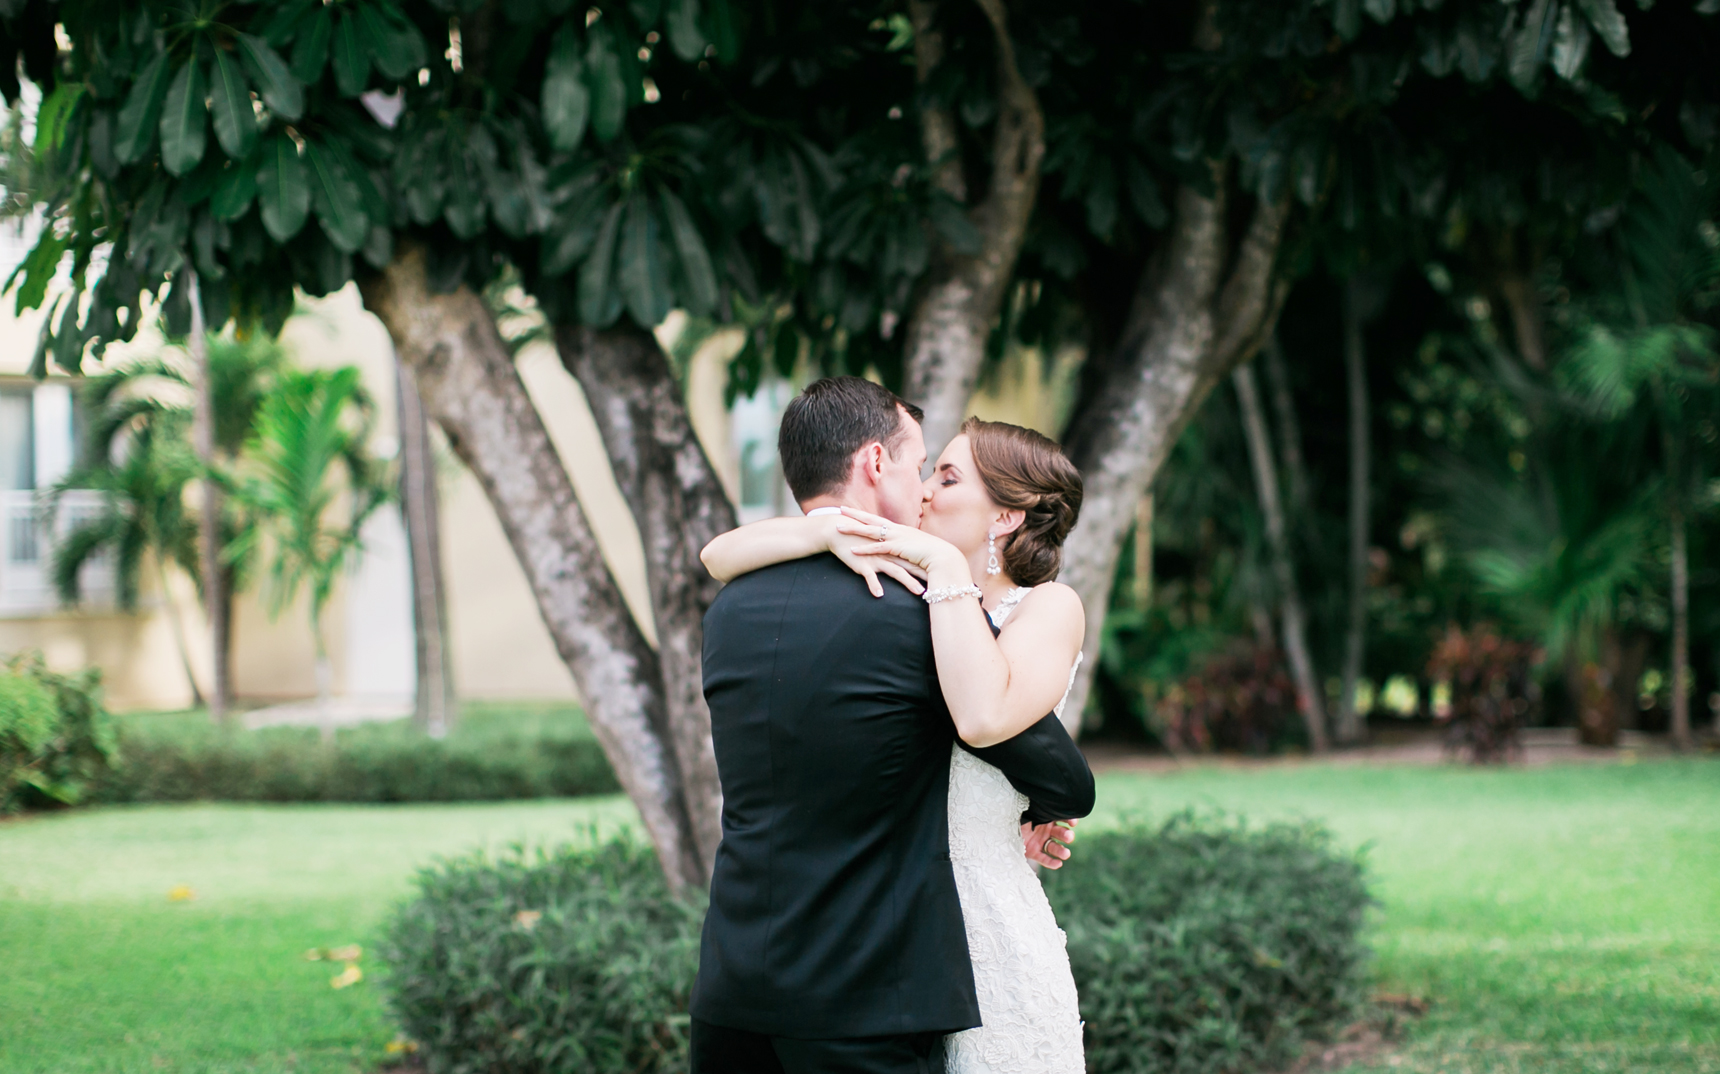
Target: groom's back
{"x": 833, "y": 909}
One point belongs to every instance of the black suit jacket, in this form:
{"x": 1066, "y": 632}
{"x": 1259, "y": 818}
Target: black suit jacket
{"x": 833, "y": 907}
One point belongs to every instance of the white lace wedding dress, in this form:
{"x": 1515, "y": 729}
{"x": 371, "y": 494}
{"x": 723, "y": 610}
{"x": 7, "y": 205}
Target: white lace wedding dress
{"x": 1027, "y": 1003}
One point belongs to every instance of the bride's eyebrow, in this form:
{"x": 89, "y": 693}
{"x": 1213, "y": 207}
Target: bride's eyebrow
{"x": 949, "y": 468}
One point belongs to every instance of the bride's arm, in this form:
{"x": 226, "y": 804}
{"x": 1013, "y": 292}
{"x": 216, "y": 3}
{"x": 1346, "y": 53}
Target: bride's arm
{"x": 996, "y": 687}
{"x": 778, "y": 540}
{"x": 761, "y": 544}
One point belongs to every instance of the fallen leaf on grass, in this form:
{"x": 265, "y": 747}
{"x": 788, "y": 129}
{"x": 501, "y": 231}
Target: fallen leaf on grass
{"x": 181, "y": 893}
{"x": 528, "y": 919}
{"x": 400, "y": 1046}
{"x": 349, "y": 976}
{"x": 350, "y": 953}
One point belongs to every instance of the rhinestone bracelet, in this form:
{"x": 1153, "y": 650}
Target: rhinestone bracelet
{"x": 938, "y": 596}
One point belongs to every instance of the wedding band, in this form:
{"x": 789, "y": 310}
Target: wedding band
{"x": 883, "y": 533}
{"x": 1046, "y": 848}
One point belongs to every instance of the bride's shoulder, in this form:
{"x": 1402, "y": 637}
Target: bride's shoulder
{"x": 1053, "y": 600}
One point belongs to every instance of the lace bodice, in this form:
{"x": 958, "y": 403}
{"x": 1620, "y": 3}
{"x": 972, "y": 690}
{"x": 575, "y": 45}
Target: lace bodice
{"x": 1027, "y": 1001}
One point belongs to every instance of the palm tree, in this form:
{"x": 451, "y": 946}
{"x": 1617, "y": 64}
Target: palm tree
{"x": 138, "y": 457}
{"x": 307, "y": 454}
{"x": 1649, "y": 358}
{"x": 138, "y": 452}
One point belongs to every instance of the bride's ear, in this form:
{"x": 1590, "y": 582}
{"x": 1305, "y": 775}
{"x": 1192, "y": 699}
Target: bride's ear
{"x": 1007, "y": 522}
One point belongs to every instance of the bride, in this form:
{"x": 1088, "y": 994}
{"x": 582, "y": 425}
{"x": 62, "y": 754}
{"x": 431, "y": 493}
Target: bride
{"x": 999, "y": 503}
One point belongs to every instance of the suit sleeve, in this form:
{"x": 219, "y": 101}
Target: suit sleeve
{"x": 1044, "y": 763}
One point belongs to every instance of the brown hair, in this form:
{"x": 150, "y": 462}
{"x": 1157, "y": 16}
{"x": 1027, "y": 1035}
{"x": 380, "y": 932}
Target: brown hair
{"x": 827, "y": 423}
{"x": 1024, "y": 471}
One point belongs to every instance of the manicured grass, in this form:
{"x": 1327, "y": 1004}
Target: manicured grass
{"x": 1561, "y": 919}
{"x": 103, "y": 973}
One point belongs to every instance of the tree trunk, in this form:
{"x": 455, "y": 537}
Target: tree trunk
{"x": 1349, "y": 722}
{"x": 1144, "y": 552}
{"x": 1187, "y": 327}
{"x": 434, "y": 702}
{"x": 1289, "y": 431}
{"x": 679, "y": 505}
{"x": 1680, "y": 632}
{"x": 216, "y": 606}
{"x": 324, "y": 678}
{"x": 1524, "y": 306}
{"x": 469, "y": 386}
{"x": 964, "y": 292}
{"x": 178, "y": 626}
{"x": 1293, "y": 619}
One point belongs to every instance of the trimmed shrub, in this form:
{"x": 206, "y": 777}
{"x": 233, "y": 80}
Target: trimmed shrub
{"x": 576, "y": 960}
{"x": 1196, "y": 946}
{"x": 488, "y": 757}
{"x": 55, "y": 737}
{"x": 1205, "y": 946}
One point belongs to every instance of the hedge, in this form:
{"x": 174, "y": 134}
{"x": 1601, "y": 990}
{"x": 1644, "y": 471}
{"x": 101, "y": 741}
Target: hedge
{"x": 1196, "y": 945}
{"x": 494, "y": 753}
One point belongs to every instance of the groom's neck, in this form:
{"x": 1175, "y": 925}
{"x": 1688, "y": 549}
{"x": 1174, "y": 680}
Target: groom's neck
{"x": 859, "y": 499}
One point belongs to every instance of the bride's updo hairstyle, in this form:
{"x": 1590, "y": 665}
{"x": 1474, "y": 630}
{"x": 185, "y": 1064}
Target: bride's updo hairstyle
{"x": 1024, "y": 471}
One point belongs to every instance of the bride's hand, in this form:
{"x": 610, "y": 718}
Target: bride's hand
{"x": 881, "y": 537}
{"x": 845, "y": 547}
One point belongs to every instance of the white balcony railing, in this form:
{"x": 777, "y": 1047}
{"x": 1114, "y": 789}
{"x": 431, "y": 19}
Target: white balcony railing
{"x": 26, "y": 553}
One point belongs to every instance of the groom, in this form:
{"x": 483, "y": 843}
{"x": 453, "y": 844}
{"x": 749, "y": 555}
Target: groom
{"x": 834, "y": 941}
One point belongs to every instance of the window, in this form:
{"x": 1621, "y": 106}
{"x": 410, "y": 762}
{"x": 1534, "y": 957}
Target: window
{"x": 755, "y": 422}
{"x": 17, "y": 439}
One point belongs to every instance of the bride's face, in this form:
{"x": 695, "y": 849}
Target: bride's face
{"x": 958, "y": 509}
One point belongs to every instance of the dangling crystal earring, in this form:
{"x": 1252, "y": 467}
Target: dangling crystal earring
{"x": 991, "y": 566}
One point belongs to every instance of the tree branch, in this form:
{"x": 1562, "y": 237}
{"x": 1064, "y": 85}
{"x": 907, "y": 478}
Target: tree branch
{"x": 956, "y": 312}
{"x": 679, "y": 505}
{"x": 468, "y": 383}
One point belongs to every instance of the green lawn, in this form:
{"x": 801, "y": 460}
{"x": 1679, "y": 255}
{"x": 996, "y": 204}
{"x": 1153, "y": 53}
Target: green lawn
{"x": 1562, "y": 919}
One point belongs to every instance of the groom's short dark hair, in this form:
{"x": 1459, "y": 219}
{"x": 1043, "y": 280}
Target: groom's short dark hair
{"x": 827, "y": 423}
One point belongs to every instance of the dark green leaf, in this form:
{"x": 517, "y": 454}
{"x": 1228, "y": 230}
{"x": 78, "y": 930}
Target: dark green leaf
{"x": 207, "y": 234}
{"x": 280, "y": 90}
{"x": 310, "y": 52}
{"x": 722, "y": 31}
{"x": 566, "y": 101}
{"x": 464, "y": 210}
{"x": 234, "y": 190}
{"x": 1383, "y": 11}
{"x": 44, "y": 341}
{"x": 335, "y": 197}
{"x": 289, "y": 20}
{"x": 599, "y": 302}
{"x": 283, "y": 189}
{"x": 954, "y": 226}
{"x": 1144, "y": 194}
{"x": 608, "y": 92}
{"x": 408, "y": 39}
{"x": 646, "y": 12}
{"x": 641, "y": 272}
{"x": 185, "y": 120}
{"x": 141, "y": 113}
{"x": 1347, "y": 18}
{"x": 701, "y": 296}
{"x": 235, "y": 122}
{"x": 1604, "y": 16}
{"x": 685, "y": 38}
{"x": 1534, "y": 38}
{"x": 102, "y": 123}
{"x": 378, "y": 247}
{"x": 392, "y": 55}
{"x": 351, "y": 58}
{"x": 37, "y": 269}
